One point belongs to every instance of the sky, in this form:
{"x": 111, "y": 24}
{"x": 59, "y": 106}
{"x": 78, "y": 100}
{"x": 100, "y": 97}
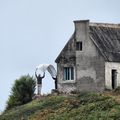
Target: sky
{"x": 33, "y": 32}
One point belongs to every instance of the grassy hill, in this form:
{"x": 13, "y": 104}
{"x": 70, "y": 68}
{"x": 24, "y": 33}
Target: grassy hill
{"x": 83, "y": 106}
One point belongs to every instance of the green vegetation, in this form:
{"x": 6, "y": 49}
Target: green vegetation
{"x": 82, "y": 106}
{"x": 22, "y": 91}
{"x": 117, "y": 90}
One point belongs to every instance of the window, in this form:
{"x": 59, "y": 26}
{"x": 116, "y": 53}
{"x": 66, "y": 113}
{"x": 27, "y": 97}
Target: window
{"x": 79, "y": 46}
{"x": 68, "y": 73}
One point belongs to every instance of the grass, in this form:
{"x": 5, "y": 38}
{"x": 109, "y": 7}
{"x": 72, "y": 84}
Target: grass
{"x": 83, "y": 106}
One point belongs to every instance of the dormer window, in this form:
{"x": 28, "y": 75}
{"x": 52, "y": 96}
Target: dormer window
{"x": 79, "y": 46}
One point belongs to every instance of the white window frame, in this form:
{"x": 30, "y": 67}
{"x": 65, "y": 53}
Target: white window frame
{"x": 69, "y": 80}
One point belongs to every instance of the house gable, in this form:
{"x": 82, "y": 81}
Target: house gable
{"x": 68, "y": 52}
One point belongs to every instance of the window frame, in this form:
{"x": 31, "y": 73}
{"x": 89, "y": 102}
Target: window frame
{"x": 68, "y": 73}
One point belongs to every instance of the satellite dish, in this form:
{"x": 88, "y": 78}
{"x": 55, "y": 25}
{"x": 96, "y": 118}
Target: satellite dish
{"x": 52, "y": 71}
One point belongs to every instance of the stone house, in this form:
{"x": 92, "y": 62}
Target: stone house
{"x": 90, "y": 61}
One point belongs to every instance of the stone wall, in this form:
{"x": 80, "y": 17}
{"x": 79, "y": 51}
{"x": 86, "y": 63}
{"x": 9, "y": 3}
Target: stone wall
{"x": 90, "y": 65}
{"x": 66, "y": 59}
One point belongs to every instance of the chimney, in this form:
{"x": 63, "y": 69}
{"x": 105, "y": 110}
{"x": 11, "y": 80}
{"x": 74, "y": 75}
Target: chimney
{"x": 81, "y": 29}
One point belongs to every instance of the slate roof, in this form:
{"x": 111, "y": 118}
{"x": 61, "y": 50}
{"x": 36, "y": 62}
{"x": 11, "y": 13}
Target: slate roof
{"x": 107, "y": 38}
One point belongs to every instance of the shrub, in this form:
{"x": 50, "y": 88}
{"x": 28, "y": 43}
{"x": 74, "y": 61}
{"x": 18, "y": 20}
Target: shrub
{"x": 22, "y": 91}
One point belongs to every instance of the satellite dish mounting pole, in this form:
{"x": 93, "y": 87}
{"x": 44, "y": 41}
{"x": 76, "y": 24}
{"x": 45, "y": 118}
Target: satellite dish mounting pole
{"x": 55, "y": 82}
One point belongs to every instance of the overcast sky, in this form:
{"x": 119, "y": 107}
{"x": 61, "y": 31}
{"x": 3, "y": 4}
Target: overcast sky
{"x": 35, "y": 31}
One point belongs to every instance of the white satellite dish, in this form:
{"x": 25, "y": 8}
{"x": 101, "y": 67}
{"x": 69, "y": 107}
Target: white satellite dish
{"x": 52, "y": 71}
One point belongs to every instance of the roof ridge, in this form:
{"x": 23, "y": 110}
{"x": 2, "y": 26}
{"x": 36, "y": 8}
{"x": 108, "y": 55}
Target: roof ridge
{"x": 111, "y": 25}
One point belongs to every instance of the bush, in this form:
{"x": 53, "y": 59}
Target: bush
{"x": 22, "y": 91}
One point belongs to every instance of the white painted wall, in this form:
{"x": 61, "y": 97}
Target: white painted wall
{"x": 108, "y": 79}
